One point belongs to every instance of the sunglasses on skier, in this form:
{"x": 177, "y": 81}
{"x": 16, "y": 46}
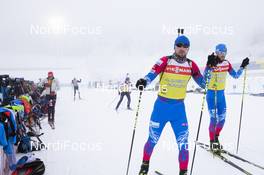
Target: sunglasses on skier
{"x": 182, "y": 45}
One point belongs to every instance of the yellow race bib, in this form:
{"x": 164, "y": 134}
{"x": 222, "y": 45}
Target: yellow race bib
{"x": 174, "y": 80}
{"x": 218, "y": 78}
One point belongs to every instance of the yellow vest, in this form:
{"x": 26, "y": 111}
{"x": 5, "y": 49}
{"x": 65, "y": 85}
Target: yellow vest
{"x": 218, "y": 78}
{"x": 174, "y": 80}
{"x": 124, "y": 88}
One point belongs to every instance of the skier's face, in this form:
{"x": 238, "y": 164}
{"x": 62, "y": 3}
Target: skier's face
{"x": 221, "y": 55}
{"x": 181, "y": 50}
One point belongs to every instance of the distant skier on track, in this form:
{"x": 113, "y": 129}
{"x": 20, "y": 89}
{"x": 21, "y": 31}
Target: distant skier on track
{"x": 76, "y": 87}
{"x": 124, "y": 90}
{"x": 175, "y": 72}
{"x": 216, "y": 93}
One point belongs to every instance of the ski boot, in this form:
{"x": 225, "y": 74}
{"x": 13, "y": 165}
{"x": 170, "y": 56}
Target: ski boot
{"x": 183, "y": 172}
{"x": 215, "y": 146}
{"x": 144, "y": 168}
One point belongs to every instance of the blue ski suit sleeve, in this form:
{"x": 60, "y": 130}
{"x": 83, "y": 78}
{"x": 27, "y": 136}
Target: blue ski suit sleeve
{"x": 233, "y": 73}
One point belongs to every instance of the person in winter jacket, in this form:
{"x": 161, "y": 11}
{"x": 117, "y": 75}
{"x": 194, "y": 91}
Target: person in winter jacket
{"x": 51, "y": 85}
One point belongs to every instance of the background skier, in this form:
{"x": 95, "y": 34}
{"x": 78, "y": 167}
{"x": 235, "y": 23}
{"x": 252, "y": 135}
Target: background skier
{"x": 124, "y": 90}
{"x": 76, "y": 87}
{"x": 216, "y": 92}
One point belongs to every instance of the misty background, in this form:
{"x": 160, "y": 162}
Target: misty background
{"x": 105, "y": 39}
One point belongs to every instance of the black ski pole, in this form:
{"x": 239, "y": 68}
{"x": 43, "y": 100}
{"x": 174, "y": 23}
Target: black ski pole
{"x": 200, "y": 121}
{"x": 134, "y": 131}
{"x": 241, "y": 111}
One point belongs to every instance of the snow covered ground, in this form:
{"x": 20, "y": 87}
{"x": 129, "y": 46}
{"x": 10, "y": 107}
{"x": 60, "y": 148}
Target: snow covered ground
{"x": 91, "y": 138}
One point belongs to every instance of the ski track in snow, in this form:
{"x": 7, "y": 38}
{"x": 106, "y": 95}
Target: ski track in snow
{"x": 95, "y": 139}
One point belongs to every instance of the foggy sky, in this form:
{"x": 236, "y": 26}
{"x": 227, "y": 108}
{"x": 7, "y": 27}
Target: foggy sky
{"x": 125, "y": 36}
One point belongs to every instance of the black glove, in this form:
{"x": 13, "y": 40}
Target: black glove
{"x": 212, "y": 60}
{"x": 245, "y": 62}
{"x": 141, "y": 84}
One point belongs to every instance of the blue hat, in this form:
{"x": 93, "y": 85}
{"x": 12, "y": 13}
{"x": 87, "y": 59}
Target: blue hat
{"x": 182, "y": 40}
{"x": 221, "y": 48}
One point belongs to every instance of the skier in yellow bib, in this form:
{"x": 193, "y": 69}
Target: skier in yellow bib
{"x": 216, "y": 92}
{"x": 175, "y": 72}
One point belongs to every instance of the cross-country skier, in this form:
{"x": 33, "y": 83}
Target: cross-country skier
{"x": 175, "y": 72}
{"x": 124, "y": 90}
{"x": 76, "y": 87}
{"x": 216, "y": 93}
{"x": 51, "y": 85}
